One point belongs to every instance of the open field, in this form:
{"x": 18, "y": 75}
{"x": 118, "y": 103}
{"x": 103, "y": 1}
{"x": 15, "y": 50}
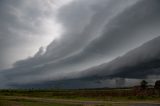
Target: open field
{"x": 30, "y": 101}
{"x": 85, "y": 97}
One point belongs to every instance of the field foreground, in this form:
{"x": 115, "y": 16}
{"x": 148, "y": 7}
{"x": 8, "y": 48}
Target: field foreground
{"x": 101, "y": 97}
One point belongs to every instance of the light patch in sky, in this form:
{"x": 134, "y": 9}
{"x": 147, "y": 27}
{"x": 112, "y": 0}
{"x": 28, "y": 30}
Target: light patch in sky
{"x": 31, "y": 28}
{"x": 53, "y": 30}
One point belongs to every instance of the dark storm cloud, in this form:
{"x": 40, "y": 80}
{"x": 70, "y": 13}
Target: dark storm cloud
{"x": 21, "y": 25}
{"x": 95, "y": 33}
{"x": 140, "y": 63}
{"x": 116, "y": 36}
{"x": 137, "y": 63}
{"x": 102, "y": 15}
{"x": 80, "y": 27}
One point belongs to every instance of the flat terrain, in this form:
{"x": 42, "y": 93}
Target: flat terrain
{"x": 87, "y": 97}
{"x": 30, "y": 101}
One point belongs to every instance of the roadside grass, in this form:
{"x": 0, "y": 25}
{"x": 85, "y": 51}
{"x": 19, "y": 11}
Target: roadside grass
{"x": 107, "y": 95}
{"x": 30, "y": 102}
{"x": 44, "y": 104}
{"x": 22, "y": 102}
{"x": 26, "y": 102}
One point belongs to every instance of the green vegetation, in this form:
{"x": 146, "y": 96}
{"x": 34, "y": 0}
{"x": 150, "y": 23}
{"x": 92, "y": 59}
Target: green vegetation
{"x": 144, "y": 84}
{"x": 52, "y": 97}
{"x": 29, "y": 102}
{"x": 35, "y": 103}
{"x": 157, "y": 84}
{"x": 81, "y": 97}
{"x": 21, "y": 103}
{"x": 86, "y": 94}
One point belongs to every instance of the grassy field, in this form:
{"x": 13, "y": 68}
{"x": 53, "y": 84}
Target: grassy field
{"x": 83, "y": 97}
{"x": 28, "y": 103}
{"x": 83, "y": 94}
{"x": 23, "y": 103}
{"x": 20, "y": 101}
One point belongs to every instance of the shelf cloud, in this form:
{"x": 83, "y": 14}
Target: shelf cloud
{"x": 98, "y": 41}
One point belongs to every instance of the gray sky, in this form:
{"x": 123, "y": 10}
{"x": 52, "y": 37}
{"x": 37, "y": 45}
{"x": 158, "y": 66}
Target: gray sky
{"x": 58, "y": 38}
{"x": 26, "y": 27}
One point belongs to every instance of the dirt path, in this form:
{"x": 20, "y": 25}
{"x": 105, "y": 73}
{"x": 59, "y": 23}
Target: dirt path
{"x": 79, "y": 102}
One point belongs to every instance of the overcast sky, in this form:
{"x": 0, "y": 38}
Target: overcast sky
{"x": 50, "y": 40}
{"x": 26, "y": 27}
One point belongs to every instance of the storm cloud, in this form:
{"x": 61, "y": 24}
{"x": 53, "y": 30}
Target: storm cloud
{"x": 24, "y": 28}
{"x": 94, "y": 40}
{"x": 140, "y": 62}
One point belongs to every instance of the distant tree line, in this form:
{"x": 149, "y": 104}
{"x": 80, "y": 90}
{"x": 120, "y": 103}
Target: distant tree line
{"x": 145, "y": 90}
{"x": 144, "y": 84}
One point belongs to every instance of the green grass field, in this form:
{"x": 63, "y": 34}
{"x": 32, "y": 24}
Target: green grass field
{"x": 29, "y": 103}
{"x": 84, "y": 94}
{"x": 22, "y": 102}
{"x": 84, "y": 97}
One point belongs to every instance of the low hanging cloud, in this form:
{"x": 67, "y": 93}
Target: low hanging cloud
{"x": 94, "y": 34}
{"x": 128, "y": 70}
{"x": 141, "y": 62}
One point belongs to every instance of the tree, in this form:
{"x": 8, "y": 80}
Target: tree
{"x": 157, "y": 84}
{"x": 144, "y": 84}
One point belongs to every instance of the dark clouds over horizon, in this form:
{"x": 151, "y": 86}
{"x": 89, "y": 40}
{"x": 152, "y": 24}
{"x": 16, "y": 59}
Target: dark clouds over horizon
{"x": 95, "y": 32}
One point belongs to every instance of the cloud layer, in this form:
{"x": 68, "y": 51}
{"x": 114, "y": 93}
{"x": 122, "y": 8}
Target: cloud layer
{"x": 25, "y": 27}
{"x": 137, "y": 63}
{"x": 95, "y": 34}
